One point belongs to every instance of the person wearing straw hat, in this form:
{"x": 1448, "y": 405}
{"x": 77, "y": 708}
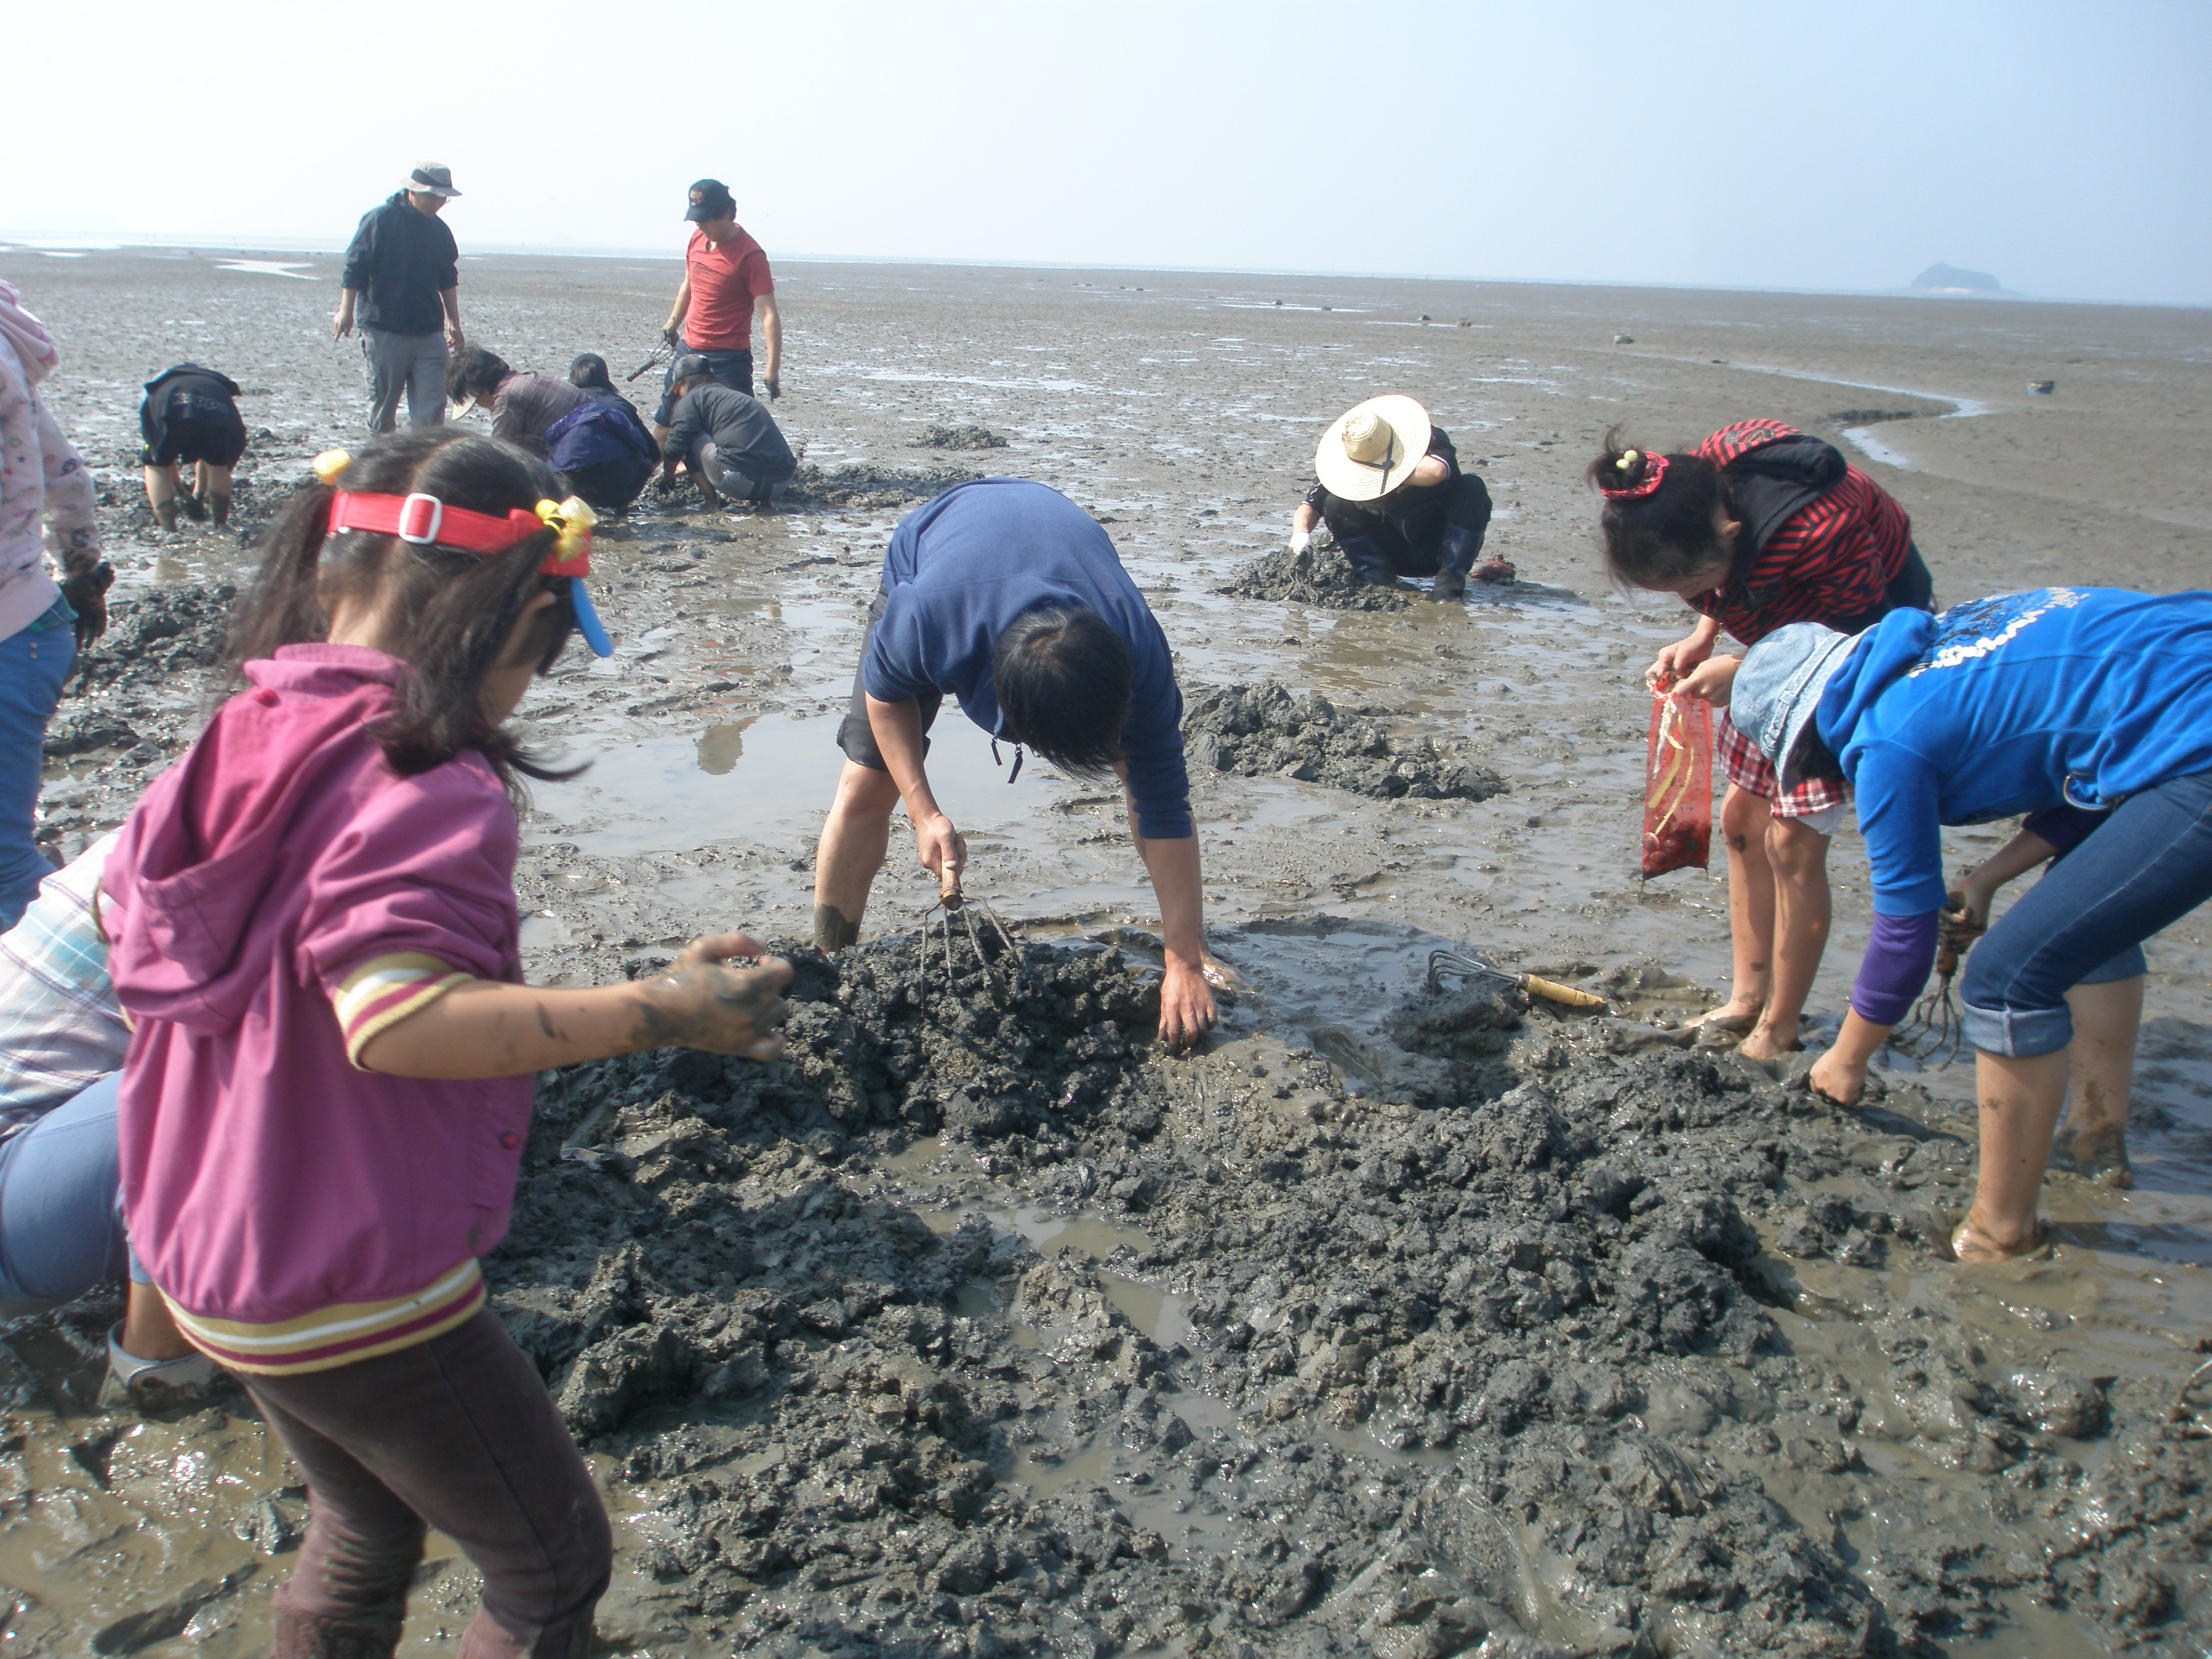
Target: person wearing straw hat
{"x": 1391, "y": 489}
{"x": 402, "y": 284}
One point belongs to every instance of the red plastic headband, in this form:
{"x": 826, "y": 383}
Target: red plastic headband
{"x": 1655, "y": 470}
{"x": 425, "y": 521}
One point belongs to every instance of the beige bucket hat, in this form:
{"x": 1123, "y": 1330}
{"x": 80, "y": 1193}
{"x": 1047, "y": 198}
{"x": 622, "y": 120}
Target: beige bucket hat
{"x": 1369, "y": 449}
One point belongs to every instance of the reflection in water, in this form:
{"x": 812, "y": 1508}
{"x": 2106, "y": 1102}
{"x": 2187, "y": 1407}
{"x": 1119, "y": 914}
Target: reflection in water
{"x": 720, "y": 747}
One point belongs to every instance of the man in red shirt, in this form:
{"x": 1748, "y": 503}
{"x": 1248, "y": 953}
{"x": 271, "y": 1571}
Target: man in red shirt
{"x": 725, "y": 280}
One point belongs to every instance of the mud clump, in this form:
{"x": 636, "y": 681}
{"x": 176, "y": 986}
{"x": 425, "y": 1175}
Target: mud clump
{"x": 1264, "y": 730}
{"x": 1320, "y": 576}
{"x": 162, "y": 639}
{"x": 958, "y": 437}
{"x": 861, "y": 486}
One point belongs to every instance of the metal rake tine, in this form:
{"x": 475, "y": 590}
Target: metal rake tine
{"x": 982, "y": 962}
{"x": 951, "y": 980}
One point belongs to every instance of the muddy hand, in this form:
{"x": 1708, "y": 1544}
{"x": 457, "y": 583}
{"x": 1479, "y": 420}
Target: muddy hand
{"x": 1187, "y": 1010}
{"x": 702, "y": 1002}
{"x": 1837, "y": 1080}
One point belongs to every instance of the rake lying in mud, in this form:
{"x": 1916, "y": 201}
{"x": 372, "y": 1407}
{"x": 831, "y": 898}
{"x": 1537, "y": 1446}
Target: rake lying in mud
{"x": 1441, "y": 963}
{"x": 1933, "y": 1027}
{"x": 950, "y": 902}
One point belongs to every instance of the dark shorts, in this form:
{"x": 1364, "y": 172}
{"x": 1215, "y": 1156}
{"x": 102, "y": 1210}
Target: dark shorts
{"x": 854, "y": 735}
{"x": 219, "y": 443}
{"x": 733, "y": 369}
{"x": 611, "y": 485}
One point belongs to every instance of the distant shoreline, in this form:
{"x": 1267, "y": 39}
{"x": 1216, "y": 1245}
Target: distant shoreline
{"x": 67, "y": 247}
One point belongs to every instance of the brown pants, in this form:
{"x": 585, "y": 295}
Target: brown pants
{"x": 456, "y": 1433}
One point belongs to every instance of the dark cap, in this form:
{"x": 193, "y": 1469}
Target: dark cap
{"x": 689, "y": 366}
{"x": 710, "y": 199}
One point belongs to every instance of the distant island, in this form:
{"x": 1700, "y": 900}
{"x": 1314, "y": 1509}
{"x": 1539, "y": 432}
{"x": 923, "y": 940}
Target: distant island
{"x": 1949, "y": 279}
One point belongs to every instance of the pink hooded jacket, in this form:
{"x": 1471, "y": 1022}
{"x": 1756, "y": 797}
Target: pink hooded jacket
{"x": 298, "y": 1212}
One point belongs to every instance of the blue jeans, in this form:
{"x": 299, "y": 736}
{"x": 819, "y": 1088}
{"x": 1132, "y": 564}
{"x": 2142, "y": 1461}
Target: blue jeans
{"x": 2143, "y": 869}
{"x": 33, "y": 663}
{"x": 61, "y": 1212}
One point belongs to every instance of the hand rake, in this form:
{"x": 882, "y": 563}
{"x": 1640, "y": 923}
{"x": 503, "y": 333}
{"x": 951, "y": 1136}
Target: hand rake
{"x": 950, "y": 902}
{"x": 1466, "y": 967}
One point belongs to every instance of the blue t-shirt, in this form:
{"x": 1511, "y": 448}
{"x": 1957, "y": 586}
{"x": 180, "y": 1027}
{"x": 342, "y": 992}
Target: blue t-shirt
{"x": 2062, "y": 697}
{"x": 960, "y": 570}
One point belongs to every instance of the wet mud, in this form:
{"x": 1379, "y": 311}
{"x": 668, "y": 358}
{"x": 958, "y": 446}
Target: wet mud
{"x": 1321, "y": 575}
{"x": 1394, "y": 1323}
{"x": 958, "y": 437}
{"x": 1264, "y": 730}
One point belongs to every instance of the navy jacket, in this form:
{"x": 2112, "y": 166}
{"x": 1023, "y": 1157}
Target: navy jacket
{"x": 399, "y": 262}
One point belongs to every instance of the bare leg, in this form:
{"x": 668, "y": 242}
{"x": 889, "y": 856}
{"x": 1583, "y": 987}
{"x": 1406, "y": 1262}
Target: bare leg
{"x": 2105, "y": 1020}
{"x": 2019, "y": 1103}
{"x": 148, "y": 1332}
{"x": 214, "y": 489}
{"x": 1799, "y": 857}
{"x": 856, "y": 836}
{"x": 161, "y": 488}
{"x": 1751, "y": 908}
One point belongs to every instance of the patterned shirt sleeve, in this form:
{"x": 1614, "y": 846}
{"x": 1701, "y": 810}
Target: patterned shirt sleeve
{"x": 384, "y": 990}
{"x": 72, "y": 531}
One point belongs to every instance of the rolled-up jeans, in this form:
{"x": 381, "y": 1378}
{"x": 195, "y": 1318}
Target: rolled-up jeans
{"x": 411, "y": 363}
{"x": 2142, "y": 870}
{"x": 60, "y": 1222}
{"x": 34, "y": 662}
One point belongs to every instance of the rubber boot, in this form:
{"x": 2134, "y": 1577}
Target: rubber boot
{"x": 1450, "y": 585}
{"x": 305, "y": 1636}
{"x": 219, "y": 506}
{"x": 194, "y": 509}
{"x": 165, "y": 514}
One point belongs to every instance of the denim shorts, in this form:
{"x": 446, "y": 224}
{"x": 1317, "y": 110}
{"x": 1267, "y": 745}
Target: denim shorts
{"x": 2141, "y": 870}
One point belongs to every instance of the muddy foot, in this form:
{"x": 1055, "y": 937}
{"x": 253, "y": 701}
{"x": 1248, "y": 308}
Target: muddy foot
{"x": 1727, "y": 1024}
{"x": 2097, "y": 1155}
{"x": 1972, "y": 1246}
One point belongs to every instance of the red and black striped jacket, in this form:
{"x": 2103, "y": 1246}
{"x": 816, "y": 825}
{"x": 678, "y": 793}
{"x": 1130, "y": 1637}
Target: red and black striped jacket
{"x": 1821, "y": 541}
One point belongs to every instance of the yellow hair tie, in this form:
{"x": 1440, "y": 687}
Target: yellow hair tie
{"x": 330, "y": 464}
{"x": 573, "y": 519}
{"x": 1628, "y": 459}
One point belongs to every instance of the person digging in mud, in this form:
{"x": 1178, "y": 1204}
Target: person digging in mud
{"x": 402, "y": 283}
{"x": 727, "y": 283}
{"x": 1759, "y": 526}
{"x": 1391, "y": 489}
{"x": 726, "y": 441}
{"x": 1011, "y": 598}
{"x": 316, "y": 904}
{"x": 189, "y": 416}
{"x": 524, "y": 404}
{"x": 602, "y": 446}
{"x": 61, "y": 1043}
{"x": 2089, "y": 707}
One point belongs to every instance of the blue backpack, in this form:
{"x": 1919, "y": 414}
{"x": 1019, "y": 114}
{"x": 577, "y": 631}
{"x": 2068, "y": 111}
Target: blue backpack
{"x": 594, "y": 432}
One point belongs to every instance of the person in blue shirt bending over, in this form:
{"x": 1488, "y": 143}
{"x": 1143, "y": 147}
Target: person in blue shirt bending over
{"x": 1010, "y": 597}
{"x": 2089, "y": 710}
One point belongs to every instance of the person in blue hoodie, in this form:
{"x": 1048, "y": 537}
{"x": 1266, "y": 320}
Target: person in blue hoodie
{"x": 1010, "y": 597}
{"x": 2089, "y": 709}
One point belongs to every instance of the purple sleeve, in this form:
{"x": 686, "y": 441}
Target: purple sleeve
{"x": 1895, "y": 967}
{"x": 2064, "y": 827}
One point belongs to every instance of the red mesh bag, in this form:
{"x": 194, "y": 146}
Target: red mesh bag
{"x": 1677, "y": 784}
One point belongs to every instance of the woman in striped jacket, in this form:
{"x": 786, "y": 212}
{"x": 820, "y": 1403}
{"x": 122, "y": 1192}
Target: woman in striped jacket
{"x": 1758, "y": 526}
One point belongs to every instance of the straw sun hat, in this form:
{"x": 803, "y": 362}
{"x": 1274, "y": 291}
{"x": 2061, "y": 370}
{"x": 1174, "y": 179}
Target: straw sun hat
{"x": 1369, "y": 449}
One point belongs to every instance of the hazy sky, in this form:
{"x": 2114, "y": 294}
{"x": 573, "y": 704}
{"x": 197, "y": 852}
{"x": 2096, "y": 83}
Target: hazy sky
{"x": 2067, "y": 148}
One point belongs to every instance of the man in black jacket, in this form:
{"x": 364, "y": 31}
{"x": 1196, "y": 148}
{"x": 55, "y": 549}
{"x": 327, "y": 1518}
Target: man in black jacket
{"x": 729, "y": 442}
{"x": 403, "y": 275}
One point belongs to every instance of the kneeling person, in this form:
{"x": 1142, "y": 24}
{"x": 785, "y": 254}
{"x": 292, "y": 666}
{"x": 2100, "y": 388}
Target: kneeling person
{"x": 190, "y": 415}
{"x": 729, "y": 440}
{"x": 1011, "y": 598}
{"x": 1391, "y": 492}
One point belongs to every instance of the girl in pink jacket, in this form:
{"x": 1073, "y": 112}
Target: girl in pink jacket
{"x": 329, "y": 1081}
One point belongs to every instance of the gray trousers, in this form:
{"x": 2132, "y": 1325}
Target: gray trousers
{"x": 716, "y": 471}
{"x": 412, "y": 363}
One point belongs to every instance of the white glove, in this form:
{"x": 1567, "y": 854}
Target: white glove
{"x": 1300, "y": 540}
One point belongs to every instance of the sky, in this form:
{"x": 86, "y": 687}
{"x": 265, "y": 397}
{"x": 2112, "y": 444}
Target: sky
{"x": 2065, "y": 147}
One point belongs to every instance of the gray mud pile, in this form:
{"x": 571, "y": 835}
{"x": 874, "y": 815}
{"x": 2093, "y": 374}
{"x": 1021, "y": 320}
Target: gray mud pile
{"x": 862, "y": 486}
{"x": 958, "y": 437}
{"x": 1514, "y": 1374}
{"x": 1264, "y": 730}
{"x": 1320, "y": 576}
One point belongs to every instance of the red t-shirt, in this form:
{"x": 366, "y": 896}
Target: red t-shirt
{"x": 725, "y": 282}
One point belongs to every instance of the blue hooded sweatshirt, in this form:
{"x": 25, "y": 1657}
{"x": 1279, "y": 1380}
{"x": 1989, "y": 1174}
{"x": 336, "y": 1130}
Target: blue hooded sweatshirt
{"x": 2026, "y": 702}
{"x": 960, "y": 568}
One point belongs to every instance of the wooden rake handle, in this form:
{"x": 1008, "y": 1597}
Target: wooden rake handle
{"x": 1565, "y": 995}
